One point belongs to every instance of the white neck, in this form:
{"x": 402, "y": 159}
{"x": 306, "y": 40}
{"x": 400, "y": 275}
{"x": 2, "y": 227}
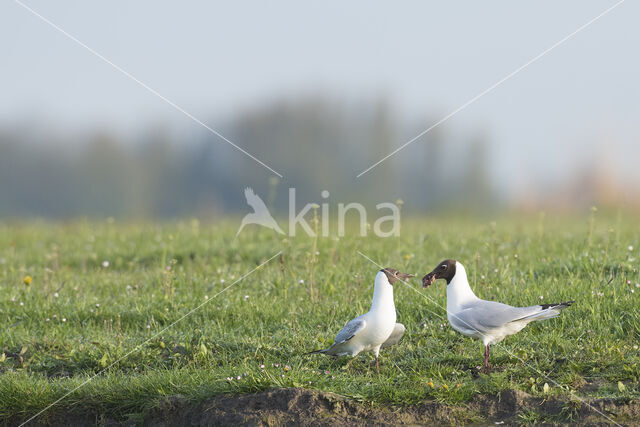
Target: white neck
{"x": 458, "y": 290}
{"x": 382, "y": 293}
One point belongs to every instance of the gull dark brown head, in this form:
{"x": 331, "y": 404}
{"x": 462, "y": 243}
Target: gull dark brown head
{"x": 394, "y": 275}
{"x": 445, "y": 270}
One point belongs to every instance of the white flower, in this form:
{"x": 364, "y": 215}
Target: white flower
{"x": 56, "y": 295}
{"x": 301, "y": 281}
{"x": 148, "y": 326}
{"x": 105, "y": 264}
{"x": 206, "y": 297}
{"x": 21, "y": 303}
{"x": 97, "y": 305}
{"x": 238, "y": 377}
{"x": 221, "y": 280}
{"x": 541, "y": 297}
{"x": 47, "y": 319}
{"x": 64, "y": 319}
{"x": 246, "y": 297}
{"x": 630, "y": 248}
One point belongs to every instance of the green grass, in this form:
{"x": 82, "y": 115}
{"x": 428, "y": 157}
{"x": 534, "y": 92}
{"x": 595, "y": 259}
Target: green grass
{"x": 78, "y": 317}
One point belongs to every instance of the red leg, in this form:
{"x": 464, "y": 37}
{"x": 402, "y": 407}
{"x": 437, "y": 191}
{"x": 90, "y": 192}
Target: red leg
{"x": 486, "y": 359}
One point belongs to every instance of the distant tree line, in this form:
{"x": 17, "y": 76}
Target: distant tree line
{"x": 317, "y": 144}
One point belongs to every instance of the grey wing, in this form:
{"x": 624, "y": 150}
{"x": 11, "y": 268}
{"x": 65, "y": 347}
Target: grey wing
{"x": 395, "y": 336}
{"x": 483, "y": 316}
{"x": 350, "y": 330}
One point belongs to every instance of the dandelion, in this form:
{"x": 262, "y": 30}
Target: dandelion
{"x": 444, "y": 386}
{"x": 430, "y": 384}
{"x": 27, "y": 280}
{"x": 105, "y": 264}
{"x": 287, "y": 368}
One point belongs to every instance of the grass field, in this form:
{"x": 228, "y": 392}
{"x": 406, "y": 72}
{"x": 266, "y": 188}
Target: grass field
{"x": 100, "y": 290}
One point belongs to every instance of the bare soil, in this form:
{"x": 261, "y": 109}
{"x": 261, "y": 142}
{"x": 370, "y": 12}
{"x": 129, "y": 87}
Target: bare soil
{"x": 297, "y": 406}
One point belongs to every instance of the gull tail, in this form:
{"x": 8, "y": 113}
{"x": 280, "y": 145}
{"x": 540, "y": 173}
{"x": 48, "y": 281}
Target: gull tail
{"x": 549, "y": 311}
{"x": 324, "y": 350}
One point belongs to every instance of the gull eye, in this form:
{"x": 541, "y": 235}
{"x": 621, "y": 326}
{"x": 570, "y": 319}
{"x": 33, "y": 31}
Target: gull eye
{"x": 443, "y": 266}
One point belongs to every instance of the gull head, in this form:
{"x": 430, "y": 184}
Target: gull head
{"x": 445, "y": 270}
{"x": 394, "y": 275}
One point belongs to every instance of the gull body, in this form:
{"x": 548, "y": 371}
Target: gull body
{"x": 488, "y": 321}
{"x": 375, "y": 329}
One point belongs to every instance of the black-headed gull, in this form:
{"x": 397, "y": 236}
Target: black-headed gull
{"x": 488, "y": 321}
{"x": 375, "y": 329}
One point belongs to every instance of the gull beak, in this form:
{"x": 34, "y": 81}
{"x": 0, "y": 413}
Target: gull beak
{"x": 428, "y": 279}
{"x": 405, "y": 276}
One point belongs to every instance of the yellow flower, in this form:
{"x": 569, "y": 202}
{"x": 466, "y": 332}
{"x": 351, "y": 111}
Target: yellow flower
{"x": 27, "y": 280}
{"x": 430, "y": 384}
{"x": 444, "y": 386}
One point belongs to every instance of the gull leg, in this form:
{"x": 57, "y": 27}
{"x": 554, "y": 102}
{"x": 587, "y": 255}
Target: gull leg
{"x": 377, "y": 364}
{"x": 486, "y": 359}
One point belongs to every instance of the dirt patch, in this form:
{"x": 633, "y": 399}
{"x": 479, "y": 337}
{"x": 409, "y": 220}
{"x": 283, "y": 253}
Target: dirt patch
{"x": 297, "y": 406}
{"x": 310, "y": 407}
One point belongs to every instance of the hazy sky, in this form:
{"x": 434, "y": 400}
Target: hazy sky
{"x": 579, "y": 101}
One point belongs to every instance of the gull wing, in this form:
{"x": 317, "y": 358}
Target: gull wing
{"x": 483, "y": 316}
{"x": 395, "y": 336}
{"x": 350, "y": 330}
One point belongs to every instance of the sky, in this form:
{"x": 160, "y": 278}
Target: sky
{"x": 578, "y": 103}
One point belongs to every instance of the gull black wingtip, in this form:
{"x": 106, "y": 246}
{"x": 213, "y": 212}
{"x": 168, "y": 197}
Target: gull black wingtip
{"x": 559, "y": 305}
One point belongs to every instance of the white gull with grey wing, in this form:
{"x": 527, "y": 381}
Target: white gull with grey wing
{"x": 375, "y": 329}
{"x": 488, "y": 321}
